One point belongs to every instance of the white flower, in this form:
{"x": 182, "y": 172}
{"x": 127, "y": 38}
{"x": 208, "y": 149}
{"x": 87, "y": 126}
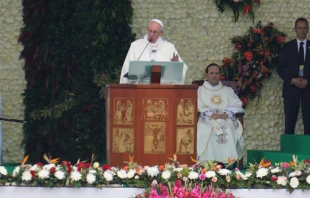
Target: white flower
{"x": 90, "y": 178}
{"x": 308, "y": 179}
{"x": 92, "y": 171}
{"x": 282, "y": 180}
{"x": 122, "y": 174}
{"x": 75, "y": 176}
{"x": 131, "y": 173}
{"x": 137, "y": 177}
{"x": 294, "y": 182}
{"x": 43, "y": 174}
{"x": 210, "y": 174}
{"x": 3, "y": 171}
{"x": 114, "y": 169}
{"x": 224, "y": 172}
{"x": 34, "y": 167}
{"x": 26, "y": 176}
{"x": 48, "y": 166}
{"x": 262, "y": 172}
{"x": 16, "y": 171}
{"x": 193, "y": 175}
{"x": 275, "y": 170}
{"x": 244, "y": 176}
{"x": 298, "y": 173}
{"x": 59, "y": 174}
{"x": 108, "y": 175}
{"x": 152, "y": 171}
{"x": 178, "y": 169}
{"x": 166, "y": 174}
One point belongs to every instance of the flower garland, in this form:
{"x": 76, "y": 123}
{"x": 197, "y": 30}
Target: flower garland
{"x": 245, "y": 6}
{"x": 199, "y": 179}
{"x": 257, "y": 52}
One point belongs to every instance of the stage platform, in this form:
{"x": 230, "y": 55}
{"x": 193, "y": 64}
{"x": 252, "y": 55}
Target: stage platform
{"x": 116, "y": 192}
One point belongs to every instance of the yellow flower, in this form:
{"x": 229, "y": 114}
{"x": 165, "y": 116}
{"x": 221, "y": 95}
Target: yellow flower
{"x": 96, "y": 165}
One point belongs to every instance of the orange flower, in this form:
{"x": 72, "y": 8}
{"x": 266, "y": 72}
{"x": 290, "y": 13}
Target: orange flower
{"x": 229, "y": 160}
{"x": 264, "y": 163}
{"x": 193, "y": 160}
{"x": 24, "y": 160}
{"x": 214, "y": 179}
{"x": 203, "y": 171}
{"x": 213, "y": 168}
{"x": 125, "y": 168}
{"x": 227, "y": 61}
{"x": 292, "y": 164}
{"x": 179, "y": 175}
{"x": 161, "y": 167}
{"x": 131, "y": 158}
{"x": 138, "y": 171}
{"x": 248, "y": 55}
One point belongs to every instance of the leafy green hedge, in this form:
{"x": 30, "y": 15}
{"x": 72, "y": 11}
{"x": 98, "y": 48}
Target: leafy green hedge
{"x": 72, "y": 49}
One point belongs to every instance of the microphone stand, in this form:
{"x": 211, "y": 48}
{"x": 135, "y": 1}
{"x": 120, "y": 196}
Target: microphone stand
{"x": 149, "y": 41}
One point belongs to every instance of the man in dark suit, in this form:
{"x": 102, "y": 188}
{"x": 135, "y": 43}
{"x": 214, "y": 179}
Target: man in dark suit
{"x": 294, "y": 69}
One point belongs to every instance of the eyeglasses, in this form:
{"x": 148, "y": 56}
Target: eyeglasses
{"x": 153, "y": 32}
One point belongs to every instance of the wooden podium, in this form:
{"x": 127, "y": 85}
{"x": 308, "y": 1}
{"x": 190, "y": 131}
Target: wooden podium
{"x": 150, "y": 122}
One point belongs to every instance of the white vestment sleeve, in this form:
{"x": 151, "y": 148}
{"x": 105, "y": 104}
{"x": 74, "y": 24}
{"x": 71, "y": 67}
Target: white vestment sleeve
{"x": 125, "y": 68}
{"x": 235, "y": 104}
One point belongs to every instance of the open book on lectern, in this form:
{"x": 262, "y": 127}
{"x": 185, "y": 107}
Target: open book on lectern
{"x": 140, "y": 72}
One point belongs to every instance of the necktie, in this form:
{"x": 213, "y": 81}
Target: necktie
{"x": 301, "y": 54}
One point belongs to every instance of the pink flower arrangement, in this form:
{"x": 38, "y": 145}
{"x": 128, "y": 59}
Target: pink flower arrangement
{"x": 184, "y": 191}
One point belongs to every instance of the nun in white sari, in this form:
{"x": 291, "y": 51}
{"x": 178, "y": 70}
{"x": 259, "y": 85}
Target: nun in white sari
{"x": 219, "y": 133}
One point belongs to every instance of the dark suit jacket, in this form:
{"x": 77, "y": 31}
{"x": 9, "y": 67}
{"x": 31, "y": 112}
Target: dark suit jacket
{"x": 288, "y": 69}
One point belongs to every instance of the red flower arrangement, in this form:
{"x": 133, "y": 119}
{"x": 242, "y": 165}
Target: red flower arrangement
{"x": 237, "y": 6}
{"x": 257, "y": 52}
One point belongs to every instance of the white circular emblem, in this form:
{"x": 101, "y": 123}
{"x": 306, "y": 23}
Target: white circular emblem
{"x": 216, "y": 99}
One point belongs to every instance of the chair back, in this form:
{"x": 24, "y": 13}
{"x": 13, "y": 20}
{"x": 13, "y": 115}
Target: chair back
{"x": 232, "y": 84}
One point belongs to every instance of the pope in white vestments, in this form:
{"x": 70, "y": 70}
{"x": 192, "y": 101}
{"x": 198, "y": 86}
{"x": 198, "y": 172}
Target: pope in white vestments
{"x": 219, "y": 132}
{"x": 152, "y": 47}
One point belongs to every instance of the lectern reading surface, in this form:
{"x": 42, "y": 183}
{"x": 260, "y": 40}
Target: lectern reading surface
{"x": 140, "y": 72}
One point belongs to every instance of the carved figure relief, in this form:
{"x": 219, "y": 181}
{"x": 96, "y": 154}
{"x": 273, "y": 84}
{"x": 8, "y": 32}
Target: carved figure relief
{"x": 154, "y": 137}
{"x": 185, "y": 140}
{"x": 155, "y": 109}
{"x": 185, "y": 111}
{"x": 123, "y": 111}
{"x": 123, "y": 140}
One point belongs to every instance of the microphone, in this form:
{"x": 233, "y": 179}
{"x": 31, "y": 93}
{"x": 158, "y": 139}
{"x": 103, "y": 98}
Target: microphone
{"x": 150, "y": 40}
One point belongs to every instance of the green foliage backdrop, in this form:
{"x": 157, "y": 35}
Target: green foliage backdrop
{"x": 72, "y": 49}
